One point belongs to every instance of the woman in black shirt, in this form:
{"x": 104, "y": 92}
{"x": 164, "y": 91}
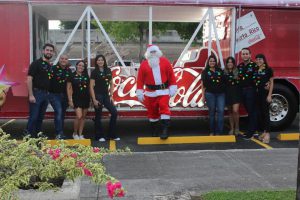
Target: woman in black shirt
{"x": 264, "y": 77}
{"x": 213, "y": 90}
{"x": 101, "y": 89}
{"x": 232, "y": 94}
{"x": 79, "y": 97}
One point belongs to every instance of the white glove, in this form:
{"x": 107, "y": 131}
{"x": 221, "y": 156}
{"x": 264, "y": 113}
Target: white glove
{"x": 172, "y": 90}
{"x": 140, "y": 95}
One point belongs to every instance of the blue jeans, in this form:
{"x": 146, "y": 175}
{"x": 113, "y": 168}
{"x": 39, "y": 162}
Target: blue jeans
{"x": 215, "y": 102}
{"x": 249, "y": 101}
{"x": 107, "y": 103}
{"x": 37, "y": 112}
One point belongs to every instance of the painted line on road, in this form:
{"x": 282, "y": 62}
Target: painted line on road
{"x": 85, "y": 142}
{"x": 288, "y": 136}
{"x": 186, "y": 140}
{"x": 112, "y": 145}
{"x": 258, "y": 142}
{"x": 6, "y": 123}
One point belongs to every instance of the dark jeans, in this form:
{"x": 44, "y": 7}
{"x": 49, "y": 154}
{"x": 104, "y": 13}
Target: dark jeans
{"x": 58, "y": 102}
{"x": 249, "y": 101}
{"x": 215, "y": 102}
{"x": 263, "y": 112}
{"x": 107, "y": 103}
{"x": 37, "y": 112}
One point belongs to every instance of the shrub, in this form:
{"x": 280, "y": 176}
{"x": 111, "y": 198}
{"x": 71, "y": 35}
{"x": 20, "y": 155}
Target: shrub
{"x": 34, "y": 163}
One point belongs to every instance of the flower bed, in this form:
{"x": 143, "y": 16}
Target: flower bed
{"x": 34, "y": 163}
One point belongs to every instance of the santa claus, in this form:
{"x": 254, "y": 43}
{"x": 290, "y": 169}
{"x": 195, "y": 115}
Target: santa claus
{"x": 156, "y": 83}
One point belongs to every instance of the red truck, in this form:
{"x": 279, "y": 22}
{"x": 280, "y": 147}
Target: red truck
{"x": 24, "y": 29}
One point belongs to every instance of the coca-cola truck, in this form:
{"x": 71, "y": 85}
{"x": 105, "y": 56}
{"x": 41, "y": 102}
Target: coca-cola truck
{"x": 272, "y": 28}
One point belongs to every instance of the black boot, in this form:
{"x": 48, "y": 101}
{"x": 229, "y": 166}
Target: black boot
{"x": 165, "y": 125}
{"x": 154, "y": 128}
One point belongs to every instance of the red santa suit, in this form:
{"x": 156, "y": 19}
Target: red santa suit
{"x": 155, "y": 84}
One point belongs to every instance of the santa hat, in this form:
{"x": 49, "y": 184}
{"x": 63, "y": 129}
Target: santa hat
{"x": 153, "y": 48}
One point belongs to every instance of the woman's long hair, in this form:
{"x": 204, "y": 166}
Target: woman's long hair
{"x": 104, "y": 65}
{"x": 235, "y": 71}
{"x": 263, "y": 57}
{"x": 207, "y": 62}
{"x": 84, "y": 65}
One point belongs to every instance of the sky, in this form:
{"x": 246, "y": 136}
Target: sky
{"x": 54, "y": 24}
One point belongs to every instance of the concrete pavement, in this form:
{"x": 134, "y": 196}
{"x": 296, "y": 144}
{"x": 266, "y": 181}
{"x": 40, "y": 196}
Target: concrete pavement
{"x": 181, "y": 175}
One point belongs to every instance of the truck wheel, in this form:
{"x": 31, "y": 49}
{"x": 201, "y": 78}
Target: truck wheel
{"x": 283, "y": 108}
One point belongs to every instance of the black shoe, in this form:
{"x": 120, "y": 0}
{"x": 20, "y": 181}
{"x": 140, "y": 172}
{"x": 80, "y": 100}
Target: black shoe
{"x": 165, "y": 125}
{"x": 247, "y": 137}
{"x": 154, "y": 128}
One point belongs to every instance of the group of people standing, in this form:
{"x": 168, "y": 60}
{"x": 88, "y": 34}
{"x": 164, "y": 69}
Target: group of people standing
{"x": 249, "y": 83}
{"x": 62, "y": 88}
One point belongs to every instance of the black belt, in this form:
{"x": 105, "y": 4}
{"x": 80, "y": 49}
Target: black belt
{"x": 158, "y": 87}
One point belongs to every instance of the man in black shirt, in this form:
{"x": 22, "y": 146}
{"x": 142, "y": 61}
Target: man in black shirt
{"x": 58, "y": 94}
{"x": 38, "y": 83}
{"x": 247, "y": 71}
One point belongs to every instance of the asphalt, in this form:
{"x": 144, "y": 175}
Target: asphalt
{"x": 187, "y": 174}
{"x": 184, "y": 171}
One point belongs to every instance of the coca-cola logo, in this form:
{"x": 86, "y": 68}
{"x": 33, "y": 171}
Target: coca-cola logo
{"x": 189, "y": 93}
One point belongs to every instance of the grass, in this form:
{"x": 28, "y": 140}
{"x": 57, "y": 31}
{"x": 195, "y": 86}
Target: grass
{"x": 250, "y": 195}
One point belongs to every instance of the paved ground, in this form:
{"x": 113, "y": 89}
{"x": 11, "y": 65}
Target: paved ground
{"x": 130, "y": 129}
{"x": 180, "y": 175}
{"x": 165, "y": 172}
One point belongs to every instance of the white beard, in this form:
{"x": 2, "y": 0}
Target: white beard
{"x": 153, "y": 61}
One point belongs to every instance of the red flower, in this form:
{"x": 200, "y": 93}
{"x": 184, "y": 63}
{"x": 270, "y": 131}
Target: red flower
{"x": 73, "y": 155}
{"x": 96, "y": 149}
{"x": 115, "y": 189}
{"x": 50, "y": 152}
{"x": 87, "y": 172}
{"x": 79, "y": 164}
{"x": 121, "y": 193}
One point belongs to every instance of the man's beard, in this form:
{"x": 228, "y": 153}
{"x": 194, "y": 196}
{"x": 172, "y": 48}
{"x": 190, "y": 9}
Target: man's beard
{"x": 47, "y": 56}
{"x": 153, "y": 61}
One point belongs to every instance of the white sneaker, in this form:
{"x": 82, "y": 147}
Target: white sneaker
{"x": 117, "y": 139}
{"x": 81, "y": 137}
{"x": 102, "y": 140}
{"x": 75, "y": 137}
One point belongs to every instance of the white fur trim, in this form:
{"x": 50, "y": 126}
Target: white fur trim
{"x": 173, "y": 90}
{"x": 139, "y": 92}
{"x": 157, "y": 93}
{"x": 156, "y": 75}
{"x": 153, "y": 48}
{"x": 164, "y": 116}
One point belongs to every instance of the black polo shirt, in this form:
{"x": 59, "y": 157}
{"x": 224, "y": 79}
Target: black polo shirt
{"x": 246, "y": 73}
{"x": 262, "y": 76}
{"x": 59, "y": 79}
{"x": 80, "y": 84}
{"x": 41, "y": 74}
{"x": 230, "y": 80}
{"x": 102, "y": 80}
{"x": 213, "y": 81}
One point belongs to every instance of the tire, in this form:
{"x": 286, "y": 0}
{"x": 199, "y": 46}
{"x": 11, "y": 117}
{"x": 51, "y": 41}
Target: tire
{"x": 283, "y": 108}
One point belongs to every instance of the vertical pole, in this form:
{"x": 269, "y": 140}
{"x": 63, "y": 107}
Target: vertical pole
{"x": 212, "y": 18}
{"x": 233, "y": 29}
{"x": 30, "y": 33}
{"x": 209, "y": 36}
{"x": 150, "y": 25}
{"x": 83, "y": 31}
{"x": 89, "y": 40}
